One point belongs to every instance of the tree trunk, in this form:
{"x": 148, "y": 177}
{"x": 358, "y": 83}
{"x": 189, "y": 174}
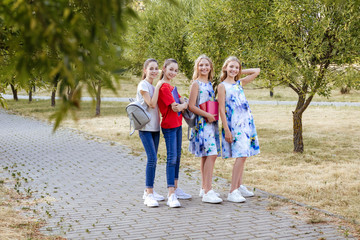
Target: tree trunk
{"x": 70, "y": 92}
{"x": 53, "y": 92}
{"x": 30, "y": 95}
{"x": 345, "y": 90}
{"x": 98, "y": 99}
{"x": 271, "y": 93}
{"x": 297, "y": 128}
{"x": 14, "y": 91}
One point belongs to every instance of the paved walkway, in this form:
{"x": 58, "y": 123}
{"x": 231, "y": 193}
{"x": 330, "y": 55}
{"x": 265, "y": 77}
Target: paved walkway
{"x": 92, "y": 189}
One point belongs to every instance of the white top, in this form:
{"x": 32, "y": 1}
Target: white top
{"x": 154, "y": 124}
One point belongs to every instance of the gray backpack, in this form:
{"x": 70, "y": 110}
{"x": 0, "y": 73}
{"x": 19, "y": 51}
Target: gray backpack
{"x": 138, "y": 116}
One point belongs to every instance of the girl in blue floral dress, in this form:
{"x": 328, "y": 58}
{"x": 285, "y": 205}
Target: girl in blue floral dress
{"x": 205, "y": 142}
{"x": 239, "y": 137}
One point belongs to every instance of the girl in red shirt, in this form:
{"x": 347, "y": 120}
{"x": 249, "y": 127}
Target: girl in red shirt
{"x": 171, "y": 127}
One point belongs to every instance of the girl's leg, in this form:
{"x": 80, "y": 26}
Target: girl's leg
{"x": 156, "y": 139}
{"x": 208, "y": 172}
{"x": 170, "y": 141}
{"x": 150, "y": 148}
{"x": 237, "y": 173}
{"x": 242, "y": 172}
{"x": 178, "y": 143}
{"x": 202, "y": 164}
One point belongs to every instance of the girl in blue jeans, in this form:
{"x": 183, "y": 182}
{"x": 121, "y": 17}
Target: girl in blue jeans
{"x": 147, "y": 95}
{"x": 172, "y": 130}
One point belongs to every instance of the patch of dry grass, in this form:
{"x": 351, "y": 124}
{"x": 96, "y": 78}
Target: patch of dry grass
{"x": 326, "y": 175}
{"x": 312, "y": 216}
{"x": 14, "y": 225}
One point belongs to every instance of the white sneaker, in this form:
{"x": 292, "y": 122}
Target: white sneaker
{"x": 245, "y": 192}
{"x": 235, "y": 196}
{"x": 181, "y": 194}
{"x": 150, "y": 201}
{"x": 157, "y": 196}
{"x": 211, "y": 197}
{"x": 202, "y": 192}
{"x": 172, "y": 201}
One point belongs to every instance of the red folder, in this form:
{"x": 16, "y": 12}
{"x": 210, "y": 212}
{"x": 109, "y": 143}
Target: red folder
{"x": 211, "y": 107}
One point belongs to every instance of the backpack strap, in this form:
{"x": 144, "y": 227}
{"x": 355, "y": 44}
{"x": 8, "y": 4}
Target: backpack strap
{"x": 197, "y": 105}
{"x": 190, "y": 138}
{"x": 133, "y": 125}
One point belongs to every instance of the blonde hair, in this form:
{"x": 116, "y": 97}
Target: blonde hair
{"x": 146, "y": 64}
{"x": 167, "y": 63}
{"x": 196, "y": 67}
{"x": 223, "y": 75}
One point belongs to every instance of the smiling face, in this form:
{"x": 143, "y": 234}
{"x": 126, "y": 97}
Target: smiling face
{"x": 152, "y": 70}
{"x": 232, "y": 69}
{"x": 204, "y": 68}
{"x": 171, "y": 71}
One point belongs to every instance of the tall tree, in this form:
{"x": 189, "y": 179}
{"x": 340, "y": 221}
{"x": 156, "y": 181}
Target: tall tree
{"x": 307, "y": 37}
{"x": 293, "y": 42}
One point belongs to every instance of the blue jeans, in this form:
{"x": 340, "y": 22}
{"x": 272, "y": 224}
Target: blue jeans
{"x": 150, "y": 140}
{"x": 173, "y": 139}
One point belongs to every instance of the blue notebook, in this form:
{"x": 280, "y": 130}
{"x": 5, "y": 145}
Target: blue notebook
{"x": 175, "y": 95}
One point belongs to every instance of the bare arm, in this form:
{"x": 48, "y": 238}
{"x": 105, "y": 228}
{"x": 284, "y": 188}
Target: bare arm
{"x": 194, "y": 92}
{"x": 152, "y": 102}
{"x": 251, "y": 73}
{"x": 221, "y": 99}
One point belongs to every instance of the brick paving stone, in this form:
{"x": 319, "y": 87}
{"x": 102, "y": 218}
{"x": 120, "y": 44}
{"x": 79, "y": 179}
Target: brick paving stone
{"x": 94, "y": 191}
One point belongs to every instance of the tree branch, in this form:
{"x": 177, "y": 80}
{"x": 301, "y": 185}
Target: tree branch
{"x": 294, "y": 88}
{"x": 306, "y": 104}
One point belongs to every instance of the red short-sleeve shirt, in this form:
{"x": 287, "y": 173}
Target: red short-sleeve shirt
{"x": 170, "y": 119}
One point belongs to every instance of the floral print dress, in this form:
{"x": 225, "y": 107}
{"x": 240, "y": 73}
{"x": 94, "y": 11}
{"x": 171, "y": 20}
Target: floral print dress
{"x": 241, "y": 124}
{"x": 205, "y": 140}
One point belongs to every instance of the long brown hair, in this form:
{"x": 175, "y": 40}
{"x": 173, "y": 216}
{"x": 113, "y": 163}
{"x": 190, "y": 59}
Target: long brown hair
{"x": 196, "y": 67}
{"x": 167, "y": 63}
{"x": 146, "y": 64}
{"x": 223, "y": 75}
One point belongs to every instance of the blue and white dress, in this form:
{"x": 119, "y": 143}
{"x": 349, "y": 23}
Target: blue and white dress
{"x": 241, "y": 124}
{"x": 205, "y": 136}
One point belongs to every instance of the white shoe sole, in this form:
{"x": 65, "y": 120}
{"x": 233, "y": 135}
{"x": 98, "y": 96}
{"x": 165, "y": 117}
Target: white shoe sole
{"x": 151, "y": 205}
{"x": 184, "y": 198}
{"x": 247, "y": 195}
{"x": 175, "y": 206}
{"x": 214, "y": 202}
{"x": 236, "y": 201}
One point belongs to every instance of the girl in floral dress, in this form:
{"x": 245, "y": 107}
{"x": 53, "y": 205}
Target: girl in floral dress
{"x": 239, "y": 137}
{"x": 204, "y": 141}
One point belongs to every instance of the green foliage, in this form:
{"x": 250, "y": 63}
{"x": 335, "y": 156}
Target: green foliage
{"x": 2, "y": 100}
{"x": 346, "y": 77}
{"x": 308, "y": 38}
{"x": 161, "y": 33}
{"x": 75, "y": 40}
{"x": 220, "y": 29}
